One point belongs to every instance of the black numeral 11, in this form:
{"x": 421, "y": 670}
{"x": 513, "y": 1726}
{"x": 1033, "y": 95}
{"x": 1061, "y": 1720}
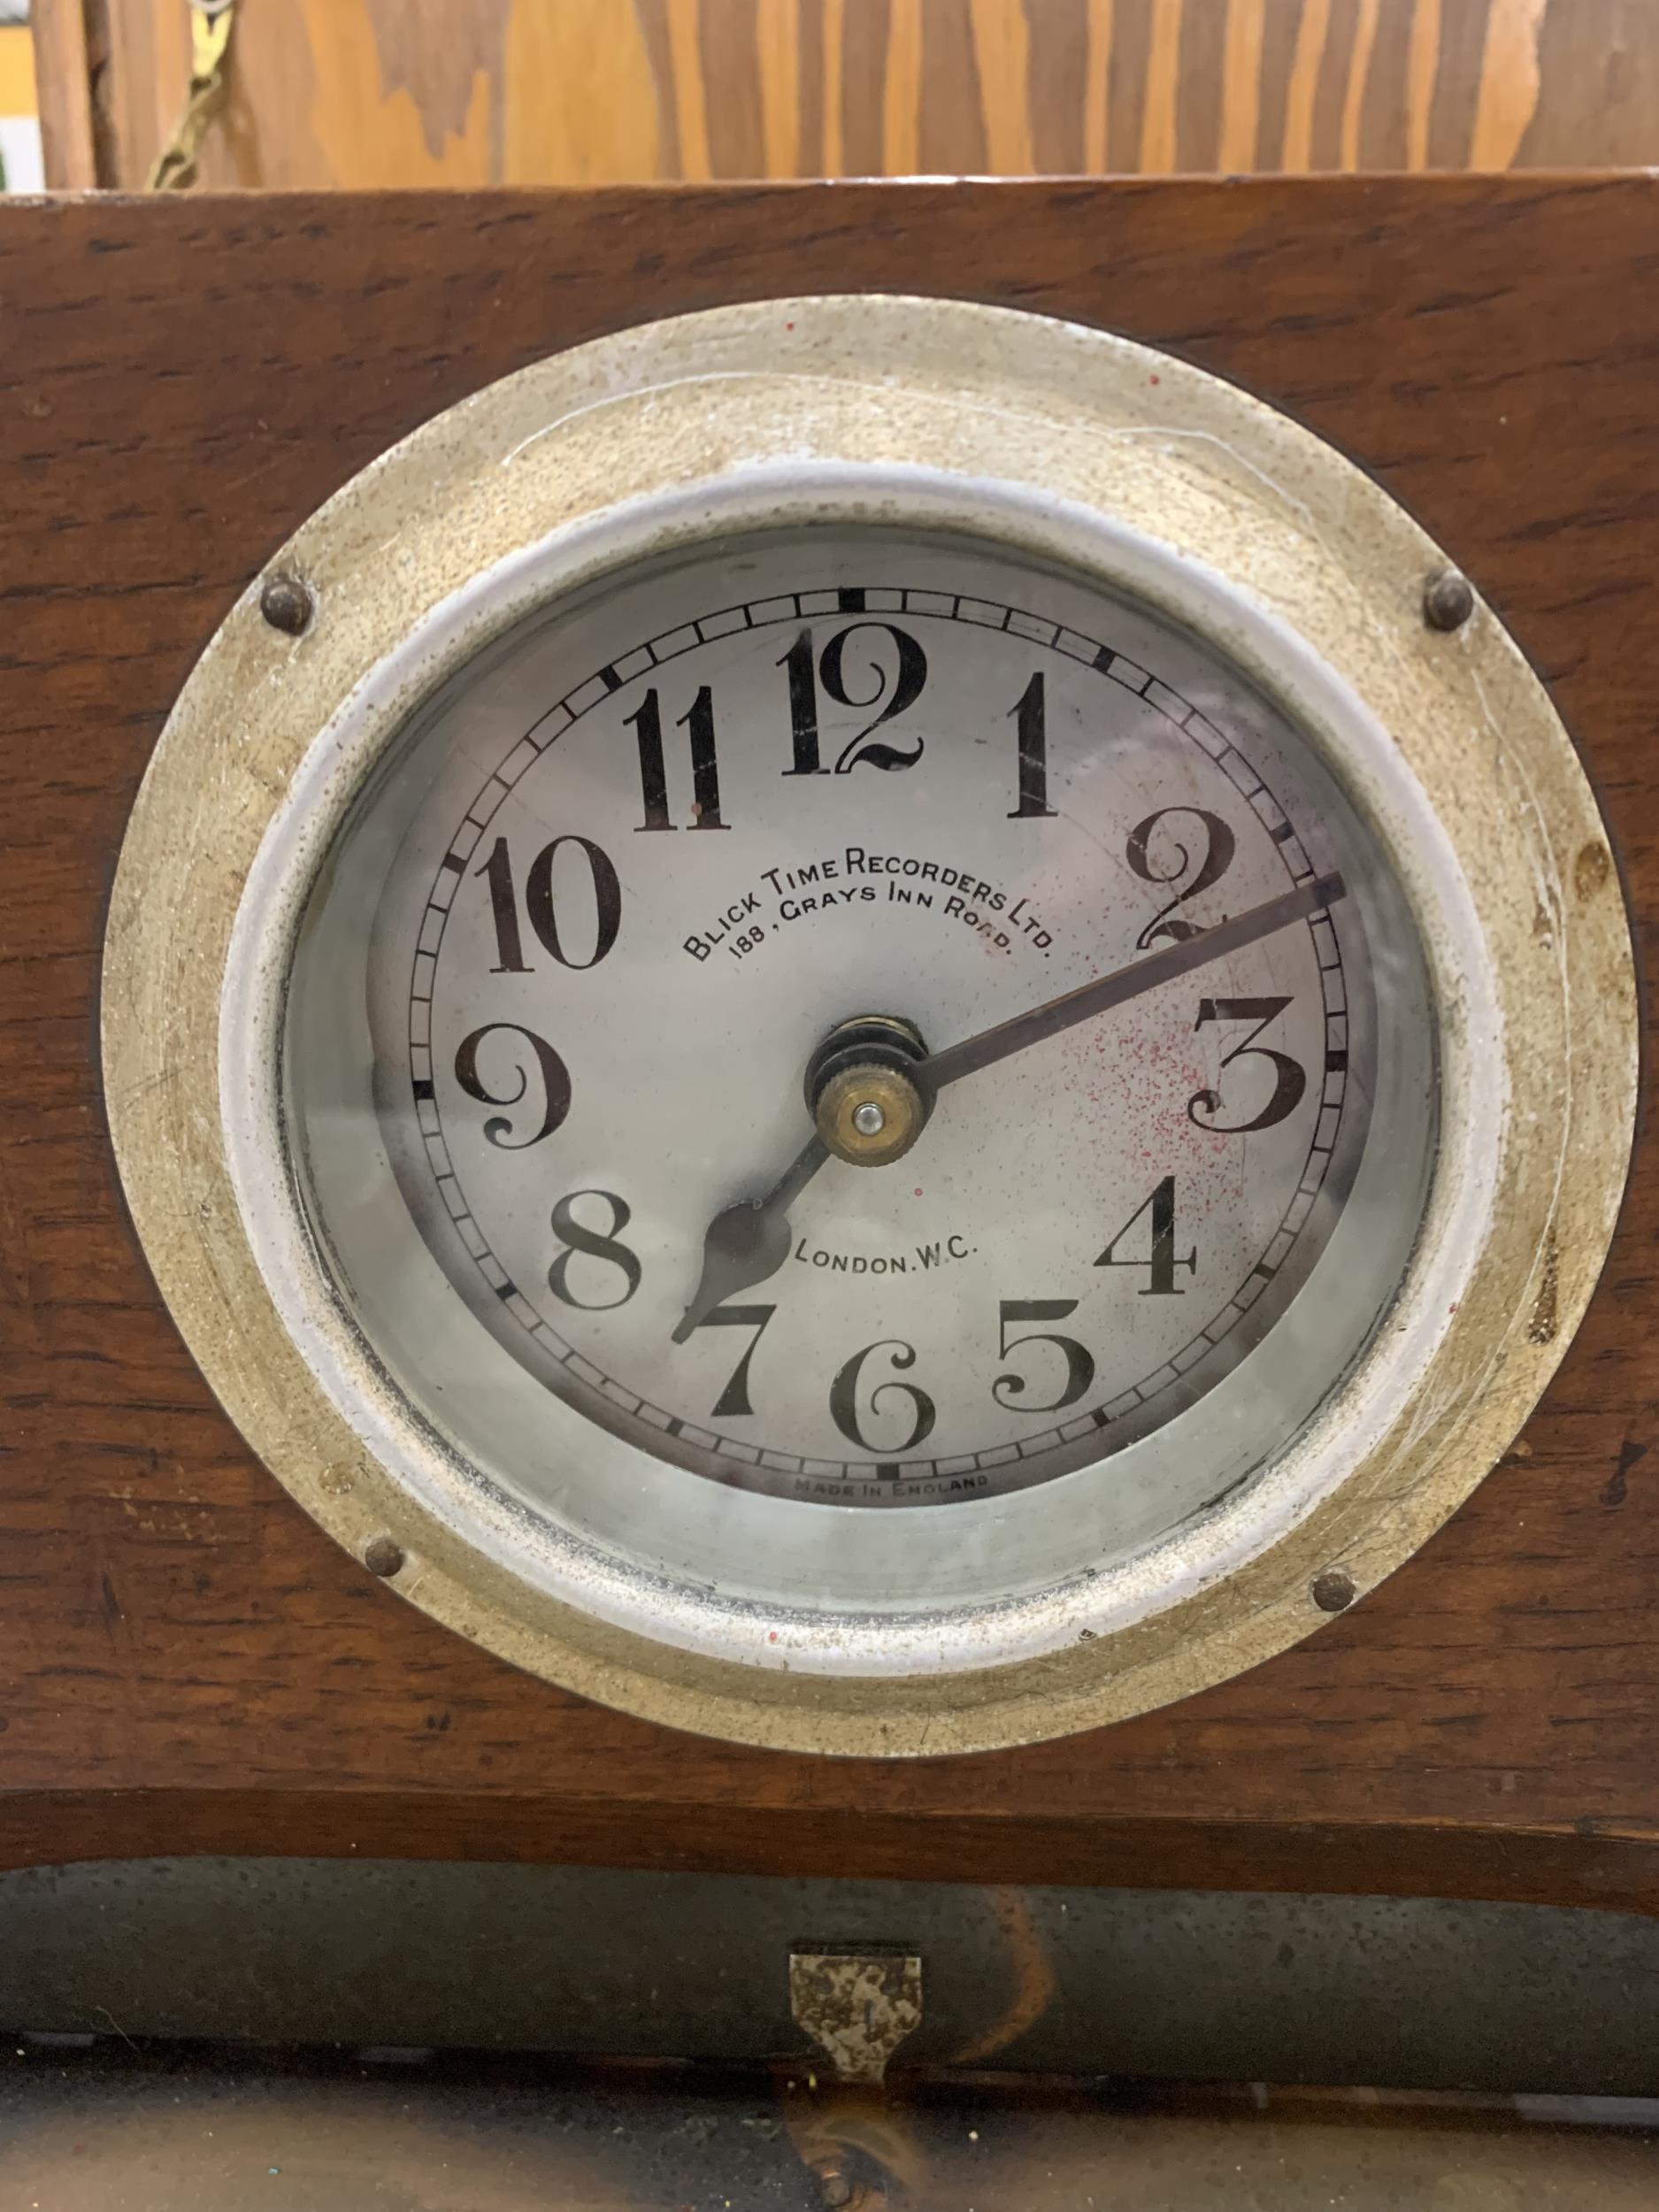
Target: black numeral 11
{"x": 698, "y": 722}
{"x": 1030, "y": 725}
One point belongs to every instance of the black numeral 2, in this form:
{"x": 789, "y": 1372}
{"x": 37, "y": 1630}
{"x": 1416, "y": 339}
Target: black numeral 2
{"x": 1212, "y": 864}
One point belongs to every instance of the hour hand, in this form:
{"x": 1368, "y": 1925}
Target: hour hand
{"x": 741, "y": 1246}
{"x": 747, "y": 1242}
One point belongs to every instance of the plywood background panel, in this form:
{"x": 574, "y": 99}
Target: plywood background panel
{"x": 343, "y": 93}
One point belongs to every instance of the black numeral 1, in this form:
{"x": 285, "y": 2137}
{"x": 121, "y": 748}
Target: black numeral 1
{"x": 797, "y": 663}
{"x": 1030, "y": 722}
{"x": 698, "y": 722}
{"x": 504, "y": 905}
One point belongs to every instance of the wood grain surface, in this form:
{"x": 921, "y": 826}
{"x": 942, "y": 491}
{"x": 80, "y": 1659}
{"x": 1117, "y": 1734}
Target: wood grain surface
{"x": 185, "y": 1661}
{"x": 357, "y": 93}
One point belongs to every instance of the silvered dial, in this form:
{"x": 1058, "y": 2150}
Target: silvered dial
{"x": 871, "y": 1019}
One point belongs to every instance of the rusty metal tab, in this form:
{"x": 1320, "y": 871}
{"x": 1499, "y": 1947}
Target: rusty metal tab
{"x": 859, "y": 2006}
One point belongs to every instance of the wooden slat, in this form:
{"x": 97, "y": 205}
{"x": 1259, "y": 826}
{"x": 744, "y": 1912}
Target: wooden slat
{"x": 185, "y": 1661}
{"x": 62, "y": 71}
{"x": 466, "y": 92}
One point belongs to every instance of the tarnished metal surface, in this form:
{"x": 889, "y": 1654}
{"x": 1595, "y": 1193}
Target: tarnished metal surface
{"x": 858, "y": 2005}
{"x": 119, "y": 2130}
{"x": 590, "y": 1962}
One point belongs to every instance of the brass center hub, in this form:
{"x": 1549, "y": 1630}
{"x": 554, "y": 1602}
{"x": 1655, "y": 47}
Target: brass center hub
{"x": 863, "y": 1090}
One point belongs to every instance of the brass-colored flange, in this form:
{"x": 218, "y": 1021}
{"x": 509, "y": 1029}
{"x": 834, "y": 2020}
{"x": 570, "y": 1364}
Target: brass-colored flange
{"x": 893, "y": 1096}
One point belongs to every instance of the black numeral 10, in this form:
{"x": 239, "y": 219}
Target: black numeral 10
{"x": 539, "y": 905}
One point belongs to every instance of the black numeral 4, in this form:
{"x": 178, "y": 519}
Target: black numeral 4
{"x": 1160, "y": 1260}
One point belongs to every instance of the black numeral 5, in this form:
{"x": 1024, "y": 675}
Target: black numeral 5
{"x": 1080, "y": 1363}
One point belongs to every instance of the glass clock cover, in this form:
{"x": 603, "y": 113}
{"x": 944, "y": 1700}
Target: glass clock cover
{"x": 678, "y": 1088}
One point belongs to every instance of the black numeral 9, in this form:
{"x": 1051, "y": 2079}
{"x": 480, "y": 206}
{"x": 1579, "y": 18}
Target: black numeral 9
{"x": 553, "y": 1078}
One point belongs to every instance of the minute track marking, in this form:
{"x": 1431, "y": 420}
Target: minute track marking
{"x": 747, "y": 1242}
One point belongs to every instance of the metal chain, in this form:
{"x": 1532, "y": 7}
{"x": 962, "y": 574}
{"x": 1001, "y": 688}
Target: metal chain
{"x": 210, "y": 24}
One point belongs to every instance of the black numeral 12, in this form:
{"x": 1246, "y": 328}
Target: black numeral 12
{"x": 698, "y": 723}
{"x": 893, "y": 692}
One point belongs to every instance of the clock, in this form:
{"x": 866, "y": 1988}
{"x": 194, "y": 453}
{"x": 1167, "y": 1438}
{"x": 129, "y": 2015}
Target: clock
{"x": 887, "y": 1050}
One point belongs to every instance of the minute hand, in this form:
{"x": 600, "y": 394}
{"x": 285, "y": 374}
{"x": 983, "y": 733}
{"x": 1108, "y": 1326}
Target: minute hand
{"x": 1107, "y": 990}
{"x": 747, "y": 1242}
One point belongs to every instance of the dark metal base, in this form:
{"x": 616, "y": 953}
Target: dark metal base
{"x": 1416, "y": 1994}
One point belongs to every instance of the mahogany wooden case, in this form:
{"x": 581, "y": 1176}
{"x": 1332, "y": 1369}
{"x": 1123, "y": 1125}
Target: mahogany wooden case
{"x": 189, "y": 1663}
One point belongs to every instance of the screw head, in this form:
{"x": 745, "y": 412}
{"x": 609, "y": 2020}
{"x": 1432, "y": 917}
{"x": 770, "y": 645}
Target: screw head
{"x": 381, "y": 1556}
{"x": 1448, "y": 601}
{"x": 1334, "y": 1591}
{"x": 870, "y": 1114}
{"x": 286, "y": 604}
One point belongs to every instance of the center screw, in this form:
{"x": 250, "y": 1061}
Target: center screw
{"x": 863, "y": 1089}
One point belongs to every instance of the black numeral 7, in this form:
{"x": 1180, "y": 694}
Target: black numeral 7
{"x": 733, "y": 1402}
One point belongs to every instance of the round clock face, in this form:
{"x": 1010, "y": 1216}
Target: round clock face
{"x": 867, "y": 1018}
